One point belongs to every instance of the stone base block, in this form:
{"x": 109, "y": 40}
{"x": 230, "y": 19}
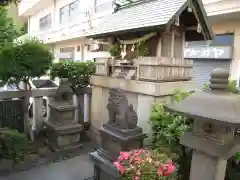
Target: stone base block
{"x": 115, "y": 140}
{"x": 103, "y": 168}
{"x": 63, "y": 138}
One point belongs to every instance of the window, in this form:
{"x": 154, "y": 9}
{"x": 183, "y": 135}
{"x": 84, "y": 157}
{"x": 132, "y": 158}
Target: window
{"x": 69, "y": 12}
{"x": 223, "y": 39}
{"x": 218, "y": 39}
{"x": 64, "y": 15}
{"x": 103, "y": 5}
{"x": 45, "y": 22}
{"x": 74, "y": 9}
{"x": 67, "y": 50}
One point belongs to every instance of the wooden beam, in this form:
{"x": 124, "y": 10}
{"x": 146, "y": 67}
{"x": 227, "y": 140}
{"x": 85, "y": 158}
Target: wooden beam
{"x": 198, "y": 20}
{"x": 183, "y": 43}
{"x": 172, "y": 43}
{"x": 159, "y": 46}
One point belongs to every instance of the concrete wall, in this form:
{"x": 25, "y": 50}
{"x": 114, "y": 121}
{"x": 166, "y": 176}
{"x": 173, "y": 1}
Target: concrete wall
{"x": 231, "y": 26}
{"x": 141, "y": 94}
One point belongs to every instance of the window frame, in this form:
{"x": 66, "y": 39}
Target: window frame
{"x": 100, "y": 6}
{"x": 70, "y": 11}
{"x": 61, "y": 12}
{"x": 45, "y": 22}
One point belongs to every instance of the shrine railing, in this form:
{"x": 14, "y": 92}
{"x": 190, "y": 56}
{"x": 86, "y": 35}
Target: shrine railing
{"x": 155, "y": 69}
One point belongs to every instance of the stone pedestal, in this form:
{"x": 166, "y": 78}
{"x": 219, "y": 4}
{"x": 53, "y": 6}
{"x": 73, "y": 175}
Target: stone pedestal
{"x": 63, "y": 137}
{"x": 119, "y": 134}
{"x": 115, "y": 140}
{"x": 63, "y": 132}
{"x": 103, "y": 168}
{"x": 207, "y": 167}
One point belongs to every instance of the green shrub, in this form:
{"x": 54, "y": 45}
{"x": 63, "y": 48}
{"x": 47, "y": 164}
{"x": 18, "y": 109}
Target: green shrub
{"x": 167, "y": 128}
{"x": 115, "y": 50}
{"x": 142, "y": 49}
{"x": 78, "y": 73}
{"x": 232, "y": 87}
{"x": 13, "y": 145}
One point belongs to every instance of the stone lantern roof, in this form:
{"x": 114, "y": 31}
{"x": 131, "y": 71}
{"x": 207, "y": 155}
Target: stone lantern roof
{"x": 216, "y": 104}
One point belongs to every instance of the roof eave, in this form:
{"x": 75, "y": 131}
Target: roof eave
{"x": 208, "y": 34}
{"x": 115, "y": 33}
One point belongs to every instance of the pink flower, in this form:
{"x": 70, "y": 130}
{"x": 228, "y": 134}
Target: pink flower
{"x": 136, "y": 178}
{"x": 119, "y": 167}
{"x": 125, "y": 155}
{"x": 138, "y": 152}
{"x": 138, "y": 160}
{"x": 121, "y": 158}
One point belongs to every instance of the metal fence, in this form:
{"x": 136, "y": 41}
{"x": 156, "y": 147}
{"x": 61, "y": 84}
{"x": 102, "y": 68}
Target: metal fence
{"x": 12, "y": 114}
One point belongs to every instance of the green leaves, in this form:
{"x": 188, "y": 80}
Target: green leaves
{"x": 115, "y": 50}
{"x": 78, "y": 73}
{"x": 167, "y": 128}
{"x": 8, "y": 31}
{"x": 23, "y": 61}
{"x": 232, "y": 87}
{"x": 142, "y": 49}
{"x": 13, "y": 145}
{"x": 7, "y": 2}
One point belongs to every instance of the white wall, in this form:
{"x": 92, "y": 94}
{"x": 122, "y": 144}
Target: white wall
{"x": 54, "y": 9}
{"x": 34, "y": 19}
{"x": 84, "y": 4}
{"x": 75, "y": 44}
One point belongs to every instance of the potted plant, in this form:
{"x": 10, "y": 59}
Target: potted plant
{"x": 143, "y": 164}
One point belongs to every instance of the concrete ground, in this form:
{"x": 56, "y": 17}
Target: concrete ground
{"x": 78, "y": 168}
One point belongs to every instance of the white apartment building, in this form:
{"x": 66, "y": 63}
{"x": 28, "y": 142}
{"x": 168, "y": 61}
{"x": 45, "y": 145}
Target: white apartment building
{"x": 64, "y": 25}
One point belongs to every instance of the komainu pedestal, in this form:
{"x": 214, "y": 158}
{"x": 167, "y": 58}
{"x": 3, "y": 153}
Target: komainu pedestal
{"x": 121, "y": 133}
{"x": 62, "y": 131}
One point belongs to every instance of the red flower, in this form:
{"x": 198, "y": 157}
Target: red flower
{"x": 167, "y": 169}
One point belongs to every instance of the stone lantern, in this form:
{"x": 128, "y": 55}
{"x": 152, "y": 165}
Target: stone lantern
{"x": 63, "y": 133}
{"x": 215, "y": 137}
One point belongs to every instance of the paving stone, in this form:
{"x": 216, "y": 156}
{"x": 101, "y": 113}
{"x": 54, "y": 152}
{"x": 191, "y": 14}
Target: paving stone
{"x": 77, "y": 168}
{"x": 42, "y": 152}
